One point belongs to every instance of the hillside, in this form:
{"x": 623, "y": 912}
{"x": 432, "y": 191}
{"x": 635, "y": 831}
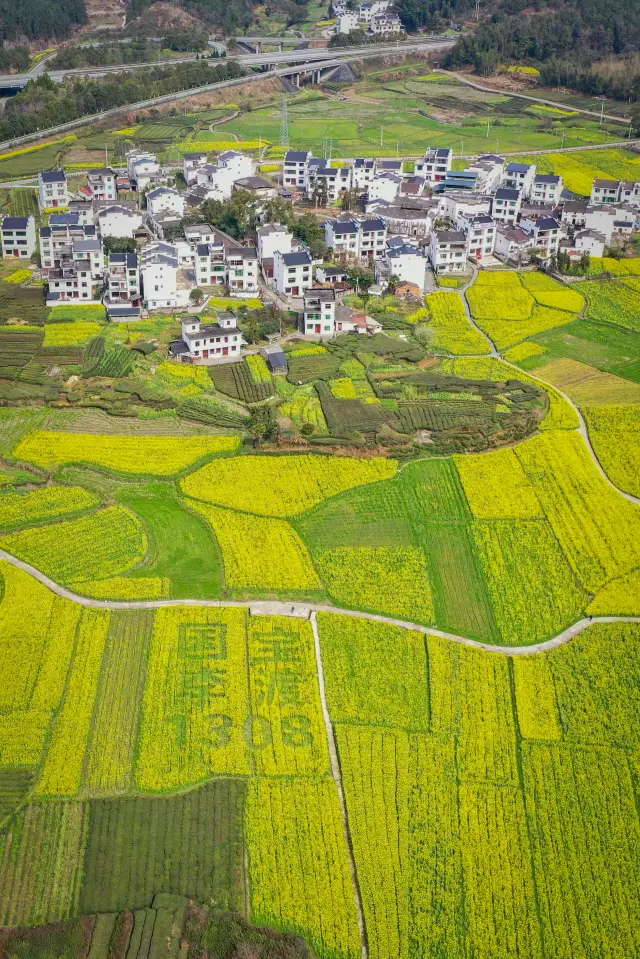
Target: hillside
{"x": 40, "y": 19}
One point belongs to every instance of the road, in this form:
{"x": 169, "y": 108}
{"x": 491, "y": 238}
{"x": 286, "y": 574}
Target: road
{"x": 356, "y": 53}
{"x": 305, "y": 611}
{"x": 307, "y": 55}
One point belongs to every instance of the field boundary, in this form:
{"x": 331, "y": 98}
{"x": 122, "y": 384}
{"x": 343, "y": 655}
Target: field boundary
{"x": 303, "y": 610}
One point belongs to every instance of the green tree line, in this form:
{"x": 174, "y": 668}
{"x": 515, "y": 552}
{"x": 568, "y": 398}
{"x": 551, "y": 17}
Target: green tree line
{"x": 40, "y": 19}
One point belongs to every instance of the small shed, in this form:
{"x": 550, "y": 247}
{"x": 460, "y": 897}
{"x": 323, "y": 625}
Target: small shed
{"x": 276, "y": 360}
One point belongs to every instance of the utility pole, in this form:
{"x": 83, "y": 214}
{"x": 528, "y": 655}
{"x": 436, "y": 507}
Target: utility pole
{"x": 381, "y": 131}
{"x": 477, "y": 10}
{"x": 284, "y": 125}
{"x": 488, "y": 124}
{"x": 601, "y": 112}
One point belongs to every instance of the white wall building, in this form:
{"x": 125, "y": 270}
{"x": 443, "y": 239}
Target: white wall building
{"x": 207, "y": 343}
{"x": 18, "y": 237}
{"x": 89, "y": 249}
{"x": 384, "y": 186}
{"x": 584, "y": 241}
{"x": 408, "y": 264}
{"x": 165, "y": 199}
{"x": 435, "y": 164}
{"x": 480, "y": 232}
{"x": 143, "y": 169}
{"x": 319, "y": 315}
{"x": 295, "y": 169}
{"x": 211, "y": 264}
{"x": 159, "y": 278}
{"x": 506, "y": 205}
{"x": 336, "y": 180}
{"x": 362, "y": 172}
{"x": 605, "y": 191}
{"x": 546, "y": 233}
{"x": 272, "y": 237}
{"x": 385, "y": 23}
{"x": 119, "y": 221}
{"x": 242, "y": 271}
{"x": 122, "y": 278}
{"x": 102, "y": 184}
{"x": 513, "y": 243}
{"x": 292, "y": 273}
{"x": 190, "y": 164}
{"x": 52, "y": 190}
{"x": 520, "y": 176}
{"x": 547, "y": 188}
{"x": 347, "y": 22}
{"x": 448, "y": 251}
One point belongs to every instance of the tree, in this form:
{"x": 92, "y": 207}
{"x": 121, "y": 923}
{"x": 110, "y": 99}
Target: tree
{"x": 319, "y": 195}
{"x": 392, "y": 283}
{"x": 196, "y": 296}
{"x": 116, "y": 244}
{"x": 350, "y": 199}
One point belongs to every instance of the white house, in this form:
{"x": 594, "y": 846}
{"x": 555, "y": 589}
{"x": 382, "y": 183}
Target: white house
{"x": 18, "y": 237}
{"x": 101, "y": 184}
{"x": 362, "y": 172}
{"x": 454, "y": 205}
{"x": 435, "y": 164}
{"x": 242, "y": 271}
{"x": 159, "y": 277}
{"x": 408, "y": 264}
{"x": 605, "y": 191}
{"x": 385, "y": 23}
{"x": 506, "y": 205}
{"x": 57, "y": 240}
{"x": 292, "y": 272}
{"x": 319, "y": 315}
{"x": 448, "y": 251}
{"x": 629, "y": 193}
{"x": 356, "y": 237}
{"x": 547, "y": 188}
{"x": 371, "y": 9}
{"x": 336, "y": 180}
{"x": 190, "y": 164}
{"x": 272, "y": 237}
{"x": 143, "y": 169}
{"x": 198, "y": 233}
{"x": 574, "y": 213}
{"x": 122, "y": 279}
{"x": 342, "y": 236}
{"x": 89, "y": 249}
{"x": 295, "y": 168}
{"x": 602, "y": 219}
{"x": 513, "y": 243}
{"x": 372, "y": 235}
{"x": 384, "y": 186}
{"x": 211, "y": 264}
{"x": 480, "y": 232}
{"x": 83, "y": 210}
{"x": 520, "y": 176}
{"x": 119, "y": 221}
{"x": 165, "y": 199}
{"x": 347, "y": 22}
{"x": 490, "y": 170}
{"x": 584, "y": 241}
{"x": 70, "y": 282}
{"x": 240, "y": 164}
{"x": 546, "y": 233}
{"x": 52, "y": 190}
{"x": 208, "y": 343}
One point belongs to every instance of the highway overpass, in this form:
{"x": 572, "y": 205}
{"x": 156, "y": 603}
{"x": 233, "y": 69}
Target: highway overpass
{"x": 13, "y": 82}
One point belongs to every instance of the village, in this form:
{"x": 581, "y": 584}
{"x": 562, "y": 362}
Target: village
{"x": 409, "y": 225}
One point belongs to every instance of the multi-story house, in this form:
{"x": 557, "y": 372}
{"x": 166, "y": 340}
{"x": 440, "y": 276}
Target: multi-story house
{"x": 191, "y": 162}
{"x": 119, "y": 221}
{"x": 356, "y": 237}
{"x": 480, "y": 232}
{"x": 448, "y": 251}
{"x": 547, "y": 188}
{"x": 546, "y": 233}
{"x": 347, "y": 22}
{"x": 319, "y": 314}
{"x": 506, "y": 205}
{"x": 242, "y": 270}
{"x": 211, "y": 264}
{"x": 435, "y": 164}
{"x": 520, "y": 176}
{"x": 272, "y": 237}
{"x": 372, "y": 235}
{"x": 584, "y": 241}
{"x": 605, "y": 191}
{"x": 89, "y": 248}
{"x": 407, "y": 263}
{"x": 490, "y": 170}
{"x": 57, "y": 240}
{"x": 384, "y": 186}
{"x": 513, "y": 244}
{"x": 18, "y": 236}
{"x": 122, "y": 279}
{"x": 362, "y": 173}
{"x": 143, "y": 170}
{"x": 292, "y": 273}
{"x": 295, "y": 168}
{"x": 159, "y": 278}
{"x": 336, "y": 180}
{"x": 82, "y": 210}
{"x": 198, "y": 233}
{"x": 385, "y": 23}
{"x": 164, "y": 199}
{"x": 101, "y": 184}
{"x": 372, "y": 8}
{"x": 342, "y": 236}
{"x": 70, "y": 282}
{"x": 52, "y": 190}
{"x": 208, "y": 343}
{"x": 629, "y": 193}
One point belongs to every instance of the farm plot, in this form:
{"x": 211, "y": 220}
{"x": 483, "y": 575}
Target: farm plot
{"x": 70, "y": 334}
{"x": 18, "y": 305}
{"x": 588, "y": 386}
{"x": 299, "y": 864}
{"x": 614, "y": 432}
{"x": 452, "y": 330}
{"x": 149, "y": 455}
{"x": 282, "y": 485}
{"x": 598, "y": 530}
{"x": 608, "y": 348}
{"x": 18, "y": 346}
{"x": 43, "y": 505}
{"x": 548, "y": 292}
{"x": 189, "y": 845}
{"x": 104, "y": 544}
{"x": 611, "y": 302}
{"x": 499, "y": 296}
{"x": 259, "y": 554}
{"x": 41, "y": 873}
{"x": 496, "y": 486}
{"x": 238, "y": 381}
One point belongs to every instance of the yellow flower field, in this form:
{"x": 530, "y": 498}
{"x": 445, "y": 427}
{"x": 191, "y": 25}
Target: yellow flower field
{"x": 120, "y": 587}
{"x": 588, "y": 386}
{"x": 147, "y": 455}
{"x": 453, "y": 331}
{"x": 499, "y": 296}
{"x": 496, "y": 486}
{"x": 259, "y": 554}
{"x": 614, "y": 432}
{"x": 506, "y": 333}
{"x": 620, "y": 597}
{"x": 282, "y": 485}
{"x": 19, "y": 276}
{"x": 548, "y": 292}
{"x": 43, "y": 505}
{"x": 523, "y": 351}
{"x": 258, "y": 368}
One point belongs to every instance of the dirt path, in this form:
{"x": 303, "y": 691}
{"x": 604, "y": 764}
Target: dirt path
{"x": 305, "y": 611}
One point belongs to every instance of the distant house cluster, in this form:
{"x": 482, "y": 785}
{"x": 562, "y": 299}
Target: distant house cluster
{"x": 375, "y": 17}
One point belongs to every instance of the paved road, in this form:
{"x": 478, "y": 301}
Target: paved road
{"x": 306, "y": 610}
{"x": 308, "y": 55}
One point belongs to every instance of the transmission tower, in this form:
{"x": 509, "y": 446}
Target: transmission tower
{"x": 284, "y": 125}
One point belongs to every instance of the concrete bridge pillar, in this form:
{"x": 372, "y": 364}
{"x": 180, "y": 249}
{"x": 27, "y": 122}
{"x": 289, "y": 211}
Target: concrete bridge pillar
{"x": 280, "y": 46}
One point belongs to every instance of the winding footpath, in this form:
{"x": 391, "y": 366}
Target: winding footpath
{"x": 308, "y": 611}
